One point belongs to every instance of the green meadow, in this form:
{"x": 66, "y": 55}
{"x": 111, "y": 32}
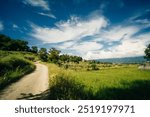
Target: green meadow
{"x": 124, "y": 81}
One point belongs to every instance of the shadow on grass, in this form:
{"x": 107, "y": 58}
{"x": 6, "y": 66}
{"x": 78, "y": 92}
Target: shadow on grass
{"x": 136, "y": 90}
{"x": 65, "y": 89}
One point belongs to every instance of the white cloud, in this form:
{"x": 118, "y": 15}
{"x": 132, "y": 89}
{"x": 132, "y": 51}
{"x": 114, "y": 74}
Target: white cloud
{"x": 42, "y": 4}
{"x": 97, "y": 55}
{"x": 144, "y": 21}
{"x": 15, "y": 26}
{"x": 66, "y": 45}
{"x": 73, "y": 29}
{"x": 130, "y": 44}
{"x": 128, "y": 47}
{"x": 140, "y": 18}
{"x": 48, "y": 15}
{"x": 38, "y": 3}
{"x": 122, "y": 40}
{"x": 1, "y": 26}
{"x": 87, "y": 46}
{"x": 119, "y": 32}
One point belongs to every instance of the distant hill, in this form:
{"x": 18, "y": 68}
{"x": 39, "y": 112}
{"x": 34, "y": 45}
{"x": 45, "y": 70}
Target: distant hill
{"x": 139, "y": 59}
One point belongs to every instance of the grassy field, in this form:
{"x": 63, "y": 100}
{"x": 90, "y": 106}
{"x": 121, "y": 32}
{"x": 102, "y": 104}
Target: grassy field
{"x": 25, "y": 55}
{"x": 124, "y": 81}
{"x": 13, "y": 65}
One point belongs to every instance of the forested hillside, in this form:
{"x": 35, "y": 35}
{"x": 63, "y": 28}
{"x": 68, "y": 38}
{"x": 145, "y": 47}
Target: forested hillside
{"x": 7, "y": 43}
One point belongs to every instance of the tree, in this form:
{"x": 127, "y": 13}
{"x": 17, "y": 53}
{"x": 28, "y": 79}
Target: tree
{"x": 34, "y": 49}
{"x": 6, "y": 43}
{"x": 147, "y": 52}
{"x": 43, "y": 54}
{"x": 54, "y": 55}
{"x": 65, "y": 58}
{"x": 19, "y": 45}
{"x": 70, "y": 58}
{"x": 75, "y": 59}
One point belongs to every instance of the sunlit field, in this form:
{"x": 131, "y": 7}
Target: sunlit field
{"x": 113, "y": 82}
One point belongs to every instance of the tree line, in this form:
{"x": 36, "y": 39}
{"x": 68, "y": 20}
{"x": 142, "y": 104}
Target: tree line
{"x": 55, "y": 56}
{"x": 6, "y": 43}
{"x": 52, "y": 55}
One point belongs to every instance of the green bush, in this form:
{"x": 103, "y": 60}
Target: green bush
{"x": 94, "y": 66}
{"x": 65, "y": 88}
{"x": 31, "y": 58}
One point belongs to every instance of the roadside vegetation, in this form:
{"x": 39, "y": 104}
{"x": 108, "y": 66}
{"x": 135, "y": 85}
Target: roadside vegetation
{"x": 118, "y": 83}
{"x": 13, "y": 67}
{"x": 16, "y": 60}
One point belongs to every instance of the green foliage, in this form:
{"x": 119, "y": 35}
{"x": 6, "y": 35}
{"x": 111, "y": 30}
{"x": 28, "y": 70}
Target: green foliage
{"x": 34, "y": 49}
{"x": 66, "y": 88}
{"x": 63, "y": 85}
{"x": 75, "y": 59}
{"x": 31, "y": 58}
{"x": 12, "y": 68}
{"x": 9, "y": 44}
{"x": 147, "y": 52}
{"x": 65, "y": 58}
{"x": 43, "y": 55}
{"x": 94, "y": 67}
{"x": 54, "y": 55}
{"x": 70, "y": 58}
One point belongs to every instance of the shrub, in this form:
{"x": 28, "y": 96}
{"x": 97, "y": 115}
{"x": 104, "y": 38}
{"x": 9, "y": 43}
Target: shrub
{"x": 94, "y": 67}
{"x": 31, "y": 58}
{"x": 64, "y": 87}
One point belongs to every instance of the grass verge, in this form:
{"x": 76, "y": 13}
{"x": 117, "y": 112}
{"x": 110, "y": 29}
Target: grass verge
{"x": 12, "y": 68}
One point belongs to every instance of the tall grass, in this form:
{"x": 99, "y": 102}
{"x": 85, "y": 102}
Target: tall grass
{"x": 114, "y": 83}
{"x": 13, "y": 67}
{"x": 63, "y": 84}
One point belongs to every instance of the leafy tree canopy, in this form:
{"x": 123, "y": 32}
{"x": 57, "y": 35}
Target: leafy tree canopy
{"x": 147, "y": 52}
{"x": 6, "y": 43}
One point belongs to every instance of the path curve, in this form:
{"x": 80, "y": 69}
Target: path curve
{"x": 34, "y": 83}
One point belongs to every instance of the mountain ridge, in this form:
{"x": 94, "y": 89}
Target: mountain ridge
{"x": 137, "y": 59}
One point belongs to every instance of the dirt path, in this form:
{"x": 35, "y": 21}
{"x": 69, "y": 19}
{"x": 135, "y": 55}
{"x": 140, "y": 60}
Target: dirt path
{"x": 34, "y": 83}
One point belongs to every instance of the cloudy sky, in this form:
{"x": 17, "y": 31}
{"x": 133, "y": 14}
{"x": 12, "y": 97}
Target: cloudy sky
{"x": 92, "y": 29}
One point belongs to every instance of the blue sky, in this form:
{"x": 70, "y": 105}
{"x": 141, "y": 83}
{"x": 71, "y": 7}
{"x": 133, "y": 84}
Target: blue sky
{"x": 92, "y": 29}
